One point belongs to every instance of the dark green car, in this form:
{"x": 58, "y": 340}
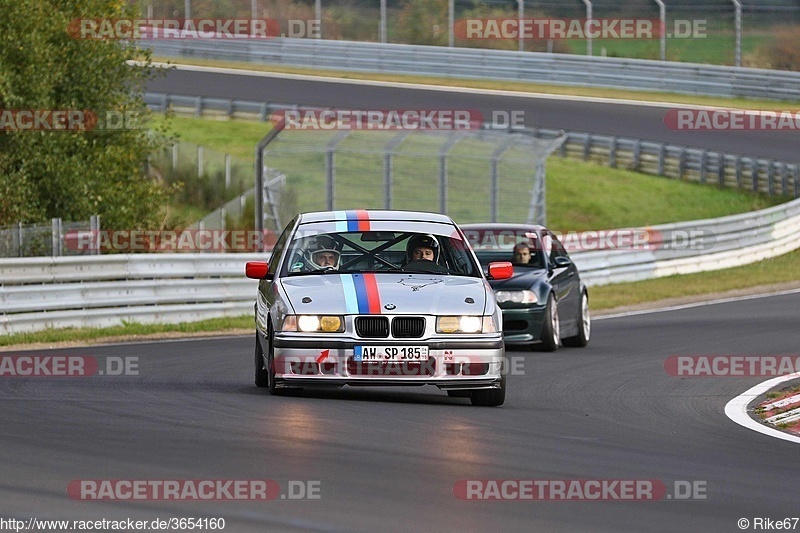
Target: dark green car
{"x": 545, "y": 304}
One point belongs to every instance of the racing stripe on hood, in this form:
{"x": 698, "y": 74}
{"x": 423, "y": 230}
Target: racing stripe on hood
{"x": 361, "y": 295}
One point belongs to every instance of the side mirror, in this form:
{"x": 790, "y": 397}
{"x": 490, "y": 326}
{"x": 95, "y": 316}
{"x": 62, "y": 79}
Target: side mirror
{"x": 256, "y": 269}
{"x": 562, "y": 261}
{"x": 500, "y": 270}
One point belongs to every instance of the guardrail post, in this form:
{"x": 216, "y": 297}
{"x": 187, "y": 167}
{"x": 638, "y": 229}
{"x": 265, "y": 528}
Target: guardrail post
{"x": 771, "y": 178}
{"x": 612, "y": 153}
{"x": 784, "y": 179}
{"x": 230, "y": 108}
{"x": 264, "y": 112}
{"x": 796, "y": 184}
{"x": 227, "y": 171}
{"x": 198, "y": 106}
{"x": 738, "y": 172}
{"x": 703, "y": 161}
{"x": 587, "y": 146}
{"x": 662, "y": 151}
{"x": 682, "y": 165}
{"x": 637, "y": 154}
{"x": 754, "y": 173}
{"x": 721, "y": 169}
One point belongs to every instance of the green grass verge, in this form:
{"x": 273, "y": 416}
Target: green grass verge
{"x": 128, "y": 329}
{"x": 539, "y": 88}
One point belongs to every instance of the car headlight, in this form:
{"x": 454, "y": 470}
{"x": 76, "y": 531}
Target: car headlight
{"x": 465, "y": 324}
{"x": 314, "y": 323}
{"x": 517, "y": 297}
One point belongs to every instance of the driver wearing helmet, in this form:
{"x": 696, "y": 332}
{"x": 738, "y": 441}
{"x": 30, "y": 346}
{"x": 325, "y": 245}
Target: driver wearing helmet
{"x": 422, "y": 248}
{"x": 322, "y": 253}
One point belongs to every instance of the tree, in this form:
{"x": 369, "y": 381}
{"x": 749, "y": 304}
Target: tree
{"x": 74, "y": 174}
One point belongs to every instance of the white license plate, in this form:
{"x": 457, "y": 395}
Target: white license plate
{"x": 390, "y": 353}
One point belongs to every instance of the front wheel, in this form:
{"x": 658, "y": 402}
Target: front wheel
{"x": 584, "y": 325}
{"x": 262, "y": 378}
{"x": 551, "y": 329}
{"x": 490, "y": 397}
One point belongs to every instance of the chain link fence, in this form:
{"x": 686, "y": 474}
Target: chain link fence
{"x": 59, "y": 238}
{"x": 467, "y": 175}
{"x": 696, "y": 31}
{"x": 207, "y": 181}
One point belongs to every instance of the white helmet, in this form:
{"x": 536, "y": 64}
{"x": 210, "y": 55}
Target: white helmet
{"x": 322, "y": 244}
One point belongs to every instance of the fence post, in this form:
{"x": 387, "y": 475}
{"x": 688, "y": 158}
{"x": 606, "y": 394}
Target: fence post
{"x": 330, "y": 176}
{"x": 55, "y": 236}
{"x": 94, "y": 229}
{"x": 227, "y": 171}
{"x": 19, "y": 229}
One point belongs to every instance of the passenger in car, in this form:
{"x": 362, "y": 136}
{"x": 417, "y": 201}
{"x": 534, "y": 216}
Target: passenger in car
{"x": 522, "y": 254}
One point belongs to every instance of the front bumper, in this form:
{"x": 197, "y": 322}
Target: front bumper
{"x": 451, "y": 364}
{"x": 523, "y": 325}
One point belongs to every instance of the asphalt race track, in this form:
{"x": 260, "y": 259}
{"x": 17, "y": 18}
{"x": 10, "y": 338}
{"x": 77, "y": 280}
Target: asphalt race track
{"x": 627, "y": 120}
{"x": 388, "y": 459}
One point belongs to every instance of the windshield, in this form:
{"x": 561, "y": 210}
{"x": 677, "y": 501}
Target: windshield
{"x": 378, "y": 251}
{"x": 522, "y": 247}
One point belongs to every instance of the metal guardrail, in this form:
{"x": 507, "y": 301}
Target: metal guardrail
{"x": 534, "y": 67}
{"x": 97, "y": 291}
{"x": 667, "y": 160}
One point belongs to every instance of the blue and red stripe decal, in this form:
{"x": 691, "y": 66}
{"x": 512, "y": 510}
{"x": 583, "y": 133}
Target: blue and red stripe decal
{"x": 353, "y": 220}
{"x": 361, "y": 294}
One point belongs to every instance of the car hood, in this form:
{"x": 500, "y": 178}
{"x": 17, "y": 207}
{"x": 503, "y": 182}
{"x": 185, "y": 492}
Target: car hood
{"x": 523, "y": 278}
{"x": 419, "y": 294}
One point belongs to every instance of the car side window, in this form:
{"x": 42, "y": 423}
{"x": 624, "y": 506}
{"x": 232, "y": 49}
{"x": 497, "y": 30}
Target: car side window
{"x": 556, "y": 248}
{"x": 277, "y": 250}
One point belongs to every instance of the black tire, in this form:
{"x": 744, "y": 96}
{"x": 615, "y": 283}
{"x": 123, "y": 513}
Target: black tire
{"x": 262, "y": 380}
{"x": 584, "y": 321}
{"x": 551, "y": 329}
{"x": 490, "y": 397}
{"x": 271, "y": 366}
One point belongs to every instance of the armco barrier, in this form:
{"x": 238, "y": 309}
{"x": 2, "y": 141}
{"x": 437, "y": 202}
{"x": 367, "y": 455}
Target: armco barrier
{"x": 96, "y": 291}
{"x": 533, "y": 67}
